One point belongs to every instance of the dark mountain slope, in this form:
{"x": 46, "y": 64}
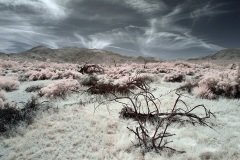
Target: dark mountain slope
{"x": 75, "y": 55}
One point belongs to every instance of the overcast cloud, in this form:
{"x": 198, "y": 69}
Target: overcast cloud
{"x": 164, "y": 29}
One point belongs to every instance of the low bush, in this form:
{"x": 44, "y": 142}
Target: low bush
{"x": 226, "y": 84}
{"x": 71, "y": 74}
{"x": 123, "y": 85}
{"x": 44, "y": 74}
{"x": 182, "y": 65}
{"x": 163, "y": 71}
{"x": 8, "y": 64}
{"x": 90, "y": 69}
{"x": 60, "y": 88}
{"x": 10, "y": 116}
{"x": 203, "y": 92}
{"x": 33, "y": 88}
{"x": 22, "y": 78}
{"x": 189, "y": 72}
{"x": 176, "y": 77}
{"x": 2, "y": 94}
{"x": 1, "y": 71}
{"x": 109, "y": 88}
{"x": 1, "y": 103}
{"x": 39, "y": 75}
{"x": 89, "y": 80}
{"x": 9, "y": 83}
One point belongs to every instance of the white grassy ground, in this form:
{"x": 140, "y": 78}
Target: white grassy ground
{"x": 75, "y": 131}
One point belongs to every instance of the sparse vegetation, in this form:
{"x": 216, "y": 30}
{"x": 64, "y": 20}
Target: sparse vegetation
{"x": 10, "y": 116}
{"x": 153, "y": 123}
{"x": 143, "y": 107}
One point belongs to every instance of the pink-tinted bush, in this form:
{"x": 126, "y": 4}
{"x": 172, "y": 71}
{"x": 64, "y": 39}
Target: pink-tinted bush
{"x": 44, "y": 74}
{"x": 226, "y": 84}
{"x": 144, "y": 76}
{"x": 9, "y": 83}
{"x": 8, "y": 64}
{"x": 39, "y": 75}
{"x": 182, "y": 65}
{"x": 72, "y": 73}
{"x": 60, "y": 88}
{"x": 203, "y": 92}
{"x": 174, "y": 77}
{"x": 209, "y": 81}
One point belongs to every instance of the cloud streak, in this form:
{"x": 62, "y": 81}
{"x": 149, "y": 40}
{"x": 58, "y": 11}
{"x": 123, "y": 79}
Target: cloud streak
{"x": 207, "y": 10}
{"x": 43, "y": 7}
{"x": 147, "y": 7}
{"x": 134, "y": 27}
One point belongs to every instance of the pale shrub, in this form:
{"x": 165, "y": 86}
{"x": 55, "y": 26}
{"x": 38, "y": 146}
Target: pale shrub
{"x": 44, "y": 74}
{"x": 174, "y": 77}
{"x": 182, "y": 64}
{"x": 209, "y": 81}
{"x": 203, "y": 92}
{"x": 189, "y": 72}
{"x": 60, "y": 88}
{"x": 1, "y": 103}
{"x": 39, "y": 75}
{"x": 72, "y": 73}
{"x": 1, "y": 71}
{"x": 32, "y": 75}
{"x": 8, "y": 64}
{"x": 2, "y": 93}
{"x": 9, "y": 83}
{"x": 122, "y": 81}
{"x": 58, "y": 74}
{"x": 226, "y": 84}
{"x": 41, "y": 64}
{"x": 89, "y": 80}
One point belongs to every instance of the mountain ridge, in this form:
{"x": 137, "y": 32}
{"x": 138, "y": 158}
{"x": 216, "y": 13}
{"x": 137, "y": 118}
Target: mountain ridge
{"x": 225, "y": 54}
{"x": 75, "y": 55}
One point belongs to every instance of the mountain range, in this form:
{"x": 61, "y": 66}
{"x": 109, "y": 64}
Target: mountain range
{"x": 74, "y": 55}
{"x": 226, "y": 54}
{"x": 84, "y": 55}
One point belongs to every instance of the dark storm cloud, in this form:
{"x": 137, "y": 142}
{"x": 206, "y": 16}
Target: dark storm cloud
{"x": 131, "y": 27}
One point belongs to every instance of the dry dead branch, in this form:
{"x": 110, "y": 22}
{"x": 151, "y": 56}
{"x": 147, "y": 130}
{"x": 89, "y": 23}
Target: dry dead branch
{"x": 144, "y": 107}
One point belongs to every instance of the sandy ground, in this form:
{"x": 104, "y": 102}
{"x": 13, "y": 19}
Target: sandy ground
{"x": 75, "y": 131}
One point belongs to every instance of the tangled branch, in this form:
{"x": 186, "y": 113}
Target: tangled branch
{"x": 144, "y": 107}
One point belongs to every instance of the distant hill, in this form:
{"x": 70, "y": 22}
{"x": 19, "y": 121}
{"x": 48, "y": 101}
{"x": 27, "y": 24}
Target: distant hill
{"x": 74, "y": 55}
{"x": 226, "y": 54}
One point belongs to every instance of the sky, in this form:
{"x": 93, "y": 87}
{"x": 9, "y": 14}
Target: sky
{"x": 166, "y": 29}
